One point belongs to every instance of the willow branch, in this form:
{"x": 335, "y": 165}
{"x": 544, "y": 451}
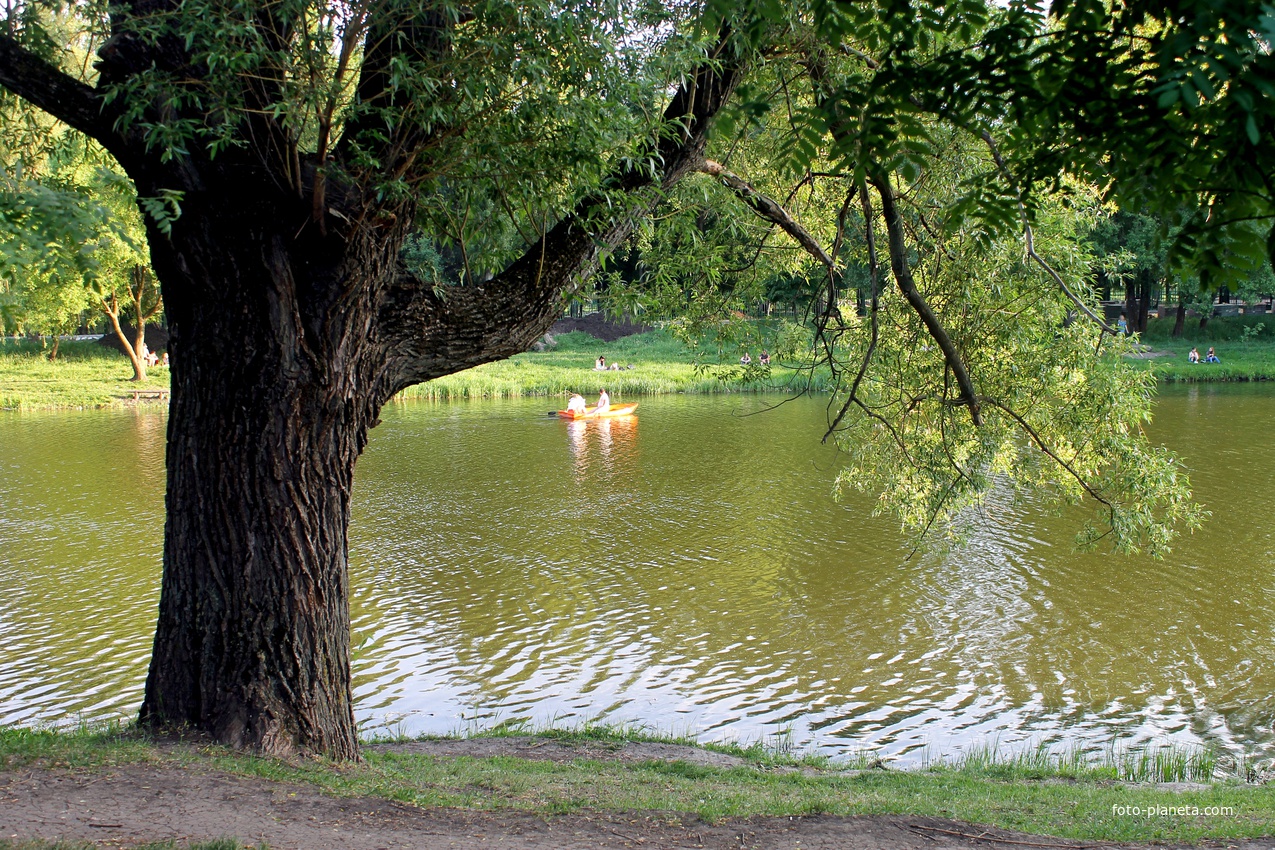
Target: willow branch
{"x": 907, "y": 285}
{"x": 1044, "y": 447}
{"x": 865, "y": 203}
{"x": 768, "y": 209}
{"x": 1029, "y": 239}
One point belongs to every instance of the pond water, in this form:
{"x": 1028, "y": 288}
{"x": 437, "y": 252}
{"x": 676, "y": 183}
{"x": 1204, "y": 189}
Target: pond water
{"x": 685, "y": 570}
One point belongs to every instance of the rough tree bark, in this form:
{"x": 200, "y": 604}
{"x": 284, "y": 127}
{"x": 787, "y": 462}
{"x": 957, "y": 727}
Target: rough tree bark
{"x": 292, "y": 322}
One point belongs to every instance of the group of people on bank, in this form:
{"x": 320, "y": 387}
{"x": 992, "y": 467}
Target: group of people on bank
{"x": 763, "y": 359}
{"x": 1193, "y": 356}
{"x": 150, "y": 358}
{"x": 600, "y": 365}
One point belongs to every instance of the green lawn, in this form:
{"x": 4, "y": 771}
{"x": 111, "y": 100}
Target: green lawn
{"x": 1244, "y": 344}
{"x": 661, "y": 364}
{"x": 1241, "y": 361}
{"x": 85, "y": 374}
{"x": 90, "y": 375}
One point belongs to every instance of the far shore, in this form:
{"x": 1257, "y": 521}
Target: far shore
{"x": 89, "y": 375}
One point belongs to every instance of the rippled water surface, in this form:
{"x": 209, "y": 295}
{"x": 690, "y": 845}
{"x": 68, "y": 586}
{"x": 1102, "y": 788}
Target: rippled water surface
{"x": 685, "y": 569}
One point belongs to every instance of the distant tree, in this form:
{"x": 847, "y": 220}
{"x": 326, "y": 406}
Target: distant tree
{"x": 71, "y": 240}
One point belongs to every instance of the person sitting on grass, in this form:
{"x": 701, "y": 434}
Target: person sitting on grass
{"x": 746, "y": 360}
{"x": 1211, "y": 357}
{"x": 1193, "y": 356}
{"x": 600, "y": 364}
{"x": 764, "y": 359}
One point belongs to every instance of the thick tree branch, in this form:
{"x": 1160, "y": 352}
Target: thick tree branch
{"x": 432, "y": 333}
{"x": 62, "y": 96}
{"x": 903, "y": 277}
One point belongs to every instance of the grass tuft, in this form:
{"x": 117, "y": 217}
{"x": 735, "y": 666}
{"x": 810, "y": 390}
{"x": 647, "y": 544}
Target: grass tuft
{"x": 1140, "y": 764}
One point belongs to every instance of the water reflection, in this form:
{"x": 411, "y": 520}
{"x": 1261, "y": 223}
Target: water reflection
{"x": 602, "y": 447}
{"x": 691, "y": 574}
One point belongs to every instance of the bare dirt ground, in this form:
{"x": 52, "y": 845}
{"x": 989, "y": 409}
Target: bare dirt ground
{"x": 599, "y": 326}
{"x": 134, "y": 804}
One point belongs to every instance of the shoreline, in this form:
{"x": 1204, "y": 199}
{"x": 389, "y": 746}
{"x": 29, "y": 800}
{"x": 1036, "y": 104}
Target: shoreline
{"x": 90, "y": 376}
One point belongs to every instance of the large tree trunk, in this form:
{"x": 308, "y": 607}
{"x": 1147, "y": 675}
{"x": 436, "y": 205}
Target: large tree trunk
{"x": 252, "y": 642}
{"x": 266, "y": 422}
{"x": 1180, "y": 322}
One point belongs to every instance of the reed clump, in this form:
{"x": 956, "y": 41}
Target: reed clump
{"x": 652, "y": 363}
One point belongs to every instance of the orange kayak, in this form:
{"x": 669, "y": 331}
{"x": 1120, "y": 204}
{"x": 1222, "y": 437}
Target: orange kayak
{"x": 591, "y": 412}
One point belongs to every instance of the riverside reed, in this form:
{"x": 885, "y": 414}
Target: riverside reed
{"x": 1065, "y": 797}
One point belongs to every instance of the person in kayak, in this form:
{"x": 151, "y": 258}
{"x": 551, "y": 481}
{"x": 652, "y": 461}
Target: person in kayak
{"x": 576, "y": 404}
{"x": 604, "y": 402}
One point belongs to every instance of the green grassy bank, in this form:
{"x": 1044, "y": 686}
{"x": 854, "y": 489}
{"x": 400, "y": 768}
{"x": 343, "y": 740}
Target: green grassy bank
{"x": 660, "y": 364}
{"x": 84, "y": 374}
{"x": 90, "y": 375}
{"x": 1061, "y": 797}
{"x": 1244, "y": 344}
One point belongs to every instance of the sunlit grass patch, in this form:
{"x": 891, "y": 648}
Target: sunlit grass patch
{"x": 652, "y": 363}
{"x": 84, "y": 374}
{"x": 1241, "y": 361}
